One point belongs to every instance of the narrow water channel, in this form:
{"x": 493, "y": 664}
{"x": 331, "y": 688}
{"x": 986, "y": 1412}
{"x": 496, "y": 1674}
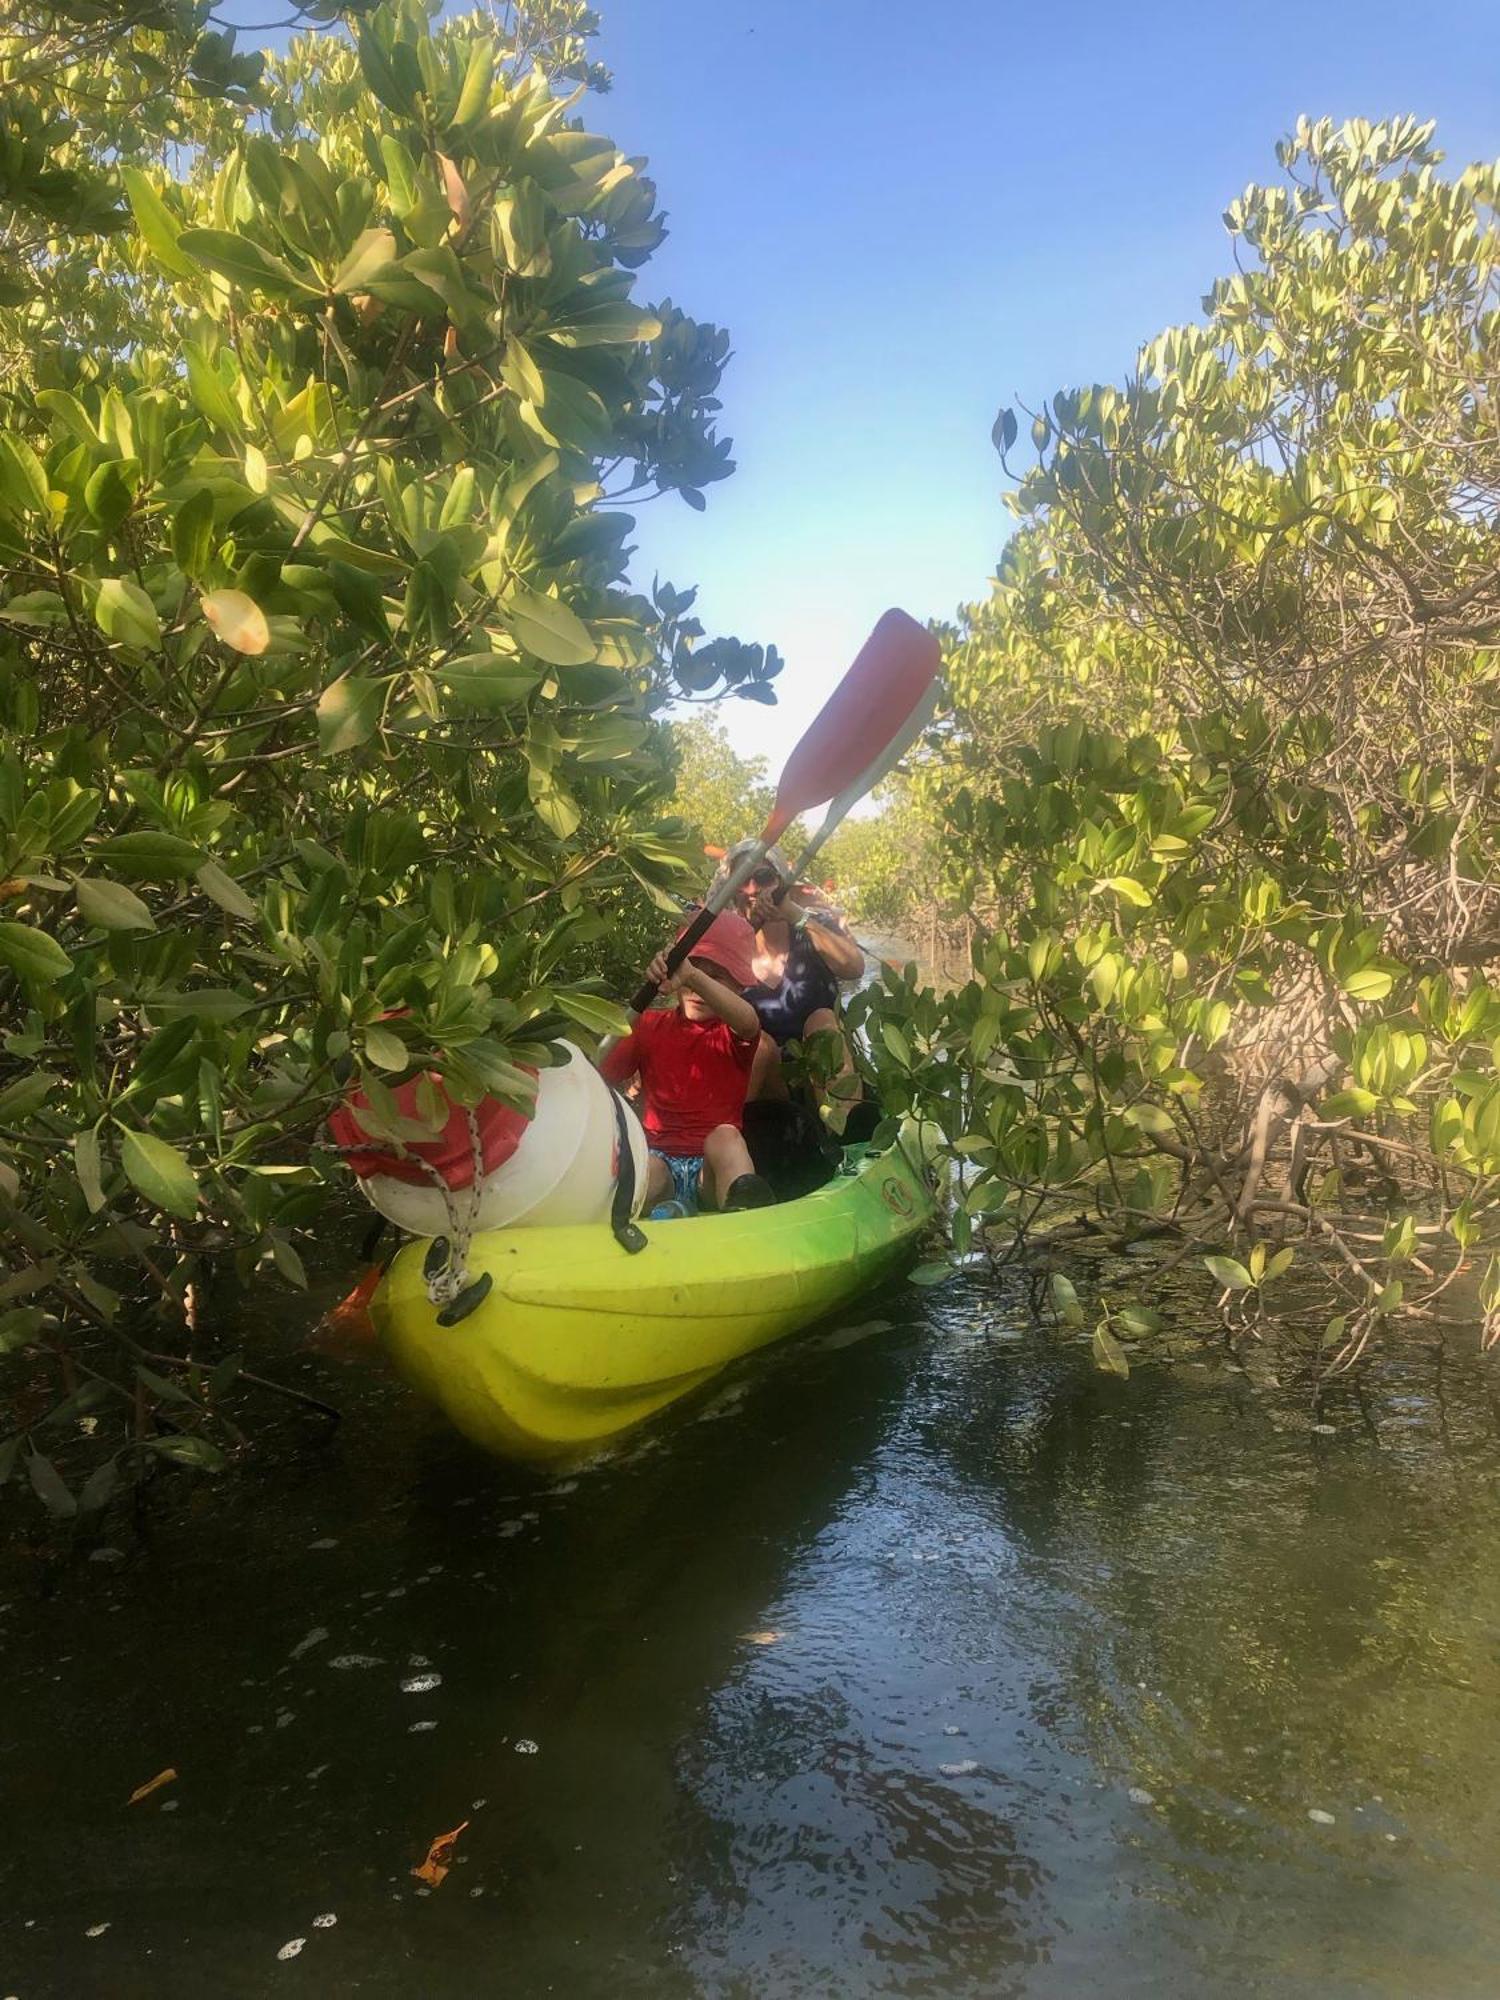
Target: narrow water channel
{"x": 916, "y": 1659}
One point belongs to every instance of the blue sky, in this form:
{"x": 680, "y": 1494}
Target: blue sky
{"x": 908, "y": 216}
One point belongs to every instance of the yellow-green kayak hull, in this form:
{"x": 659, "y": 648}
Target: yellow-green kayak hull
{"x": 578, "y": 1341}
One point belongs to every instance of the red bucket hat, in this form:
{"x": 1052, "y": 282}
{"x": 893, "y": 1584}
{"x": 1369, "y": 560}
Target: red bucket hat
{"x": 729, "y": 942}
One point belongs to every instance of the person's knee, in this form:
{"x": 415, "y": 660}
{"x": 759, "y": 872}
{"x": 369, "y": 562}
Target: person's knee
{"x": 726, "y": 1158}
{"x": 823, "y": 1021}
{"x": 724, "y": 1142}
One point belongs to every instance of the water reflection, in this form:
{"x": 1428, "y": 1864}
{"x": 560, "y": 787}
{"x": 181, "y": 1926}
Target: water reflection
{"x": 929, "y": 1663}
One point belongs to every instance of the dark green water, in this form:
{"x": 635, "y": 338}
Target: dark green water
{"x": 1049, "y": 1674}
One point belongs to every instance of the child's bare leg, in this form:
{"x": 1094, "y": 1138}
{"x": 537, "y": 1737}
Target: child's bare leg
{"x": 658, "y": 1180}
{"x": 725, "y": 1158}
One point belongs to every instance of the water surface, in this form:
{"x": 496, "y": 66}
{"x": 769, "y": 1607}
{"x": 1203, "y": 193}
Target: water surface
{"x": 916, "y": 1659}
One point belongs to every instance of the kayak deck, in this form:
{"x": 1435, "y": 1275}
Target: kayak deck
{"x": 577, "y": 1340}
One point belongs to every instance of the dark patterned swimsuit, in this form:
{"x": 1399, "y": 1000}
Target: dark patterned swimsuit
{"x": 805, "y": 986}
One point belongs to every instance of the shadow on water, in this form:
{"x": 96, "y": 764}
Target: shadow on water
{"x": 914, "y": 1659}
{"x": 260, "y": 1643}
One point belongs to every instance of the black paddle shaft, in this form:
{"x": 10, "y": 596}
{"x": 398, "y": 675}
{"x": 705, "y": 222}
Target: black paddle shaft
{"x": 645, "y": 993}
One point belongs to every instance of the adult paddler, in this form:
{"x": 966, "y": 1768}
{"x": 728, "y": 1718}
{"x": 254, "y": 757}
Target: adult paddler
{"x": 802, "y": 951}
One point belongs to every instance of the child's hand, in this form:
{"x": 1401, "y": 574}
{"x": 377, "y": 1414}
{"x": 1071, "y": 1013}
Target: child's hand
{"x": 659, "y": 976}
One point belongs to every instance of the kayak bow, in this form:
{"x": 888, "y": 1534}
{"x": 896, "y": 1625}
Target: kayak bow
{"x": 577, "y": 1342}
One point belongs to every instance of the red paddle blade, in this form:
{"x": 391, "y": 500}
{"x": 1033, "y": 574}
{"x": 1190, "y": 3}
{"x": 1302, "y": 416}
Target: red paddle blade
{"x": 861, "y": 716}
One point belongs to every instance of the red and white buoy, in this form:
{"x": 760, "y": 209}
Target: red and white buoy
{"x": 495, "y": 1167}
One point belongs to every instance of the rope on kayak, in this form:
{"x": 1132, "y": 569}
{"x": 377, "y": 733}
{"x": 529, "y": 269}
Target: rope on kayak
{"x": 445, "y": 1267}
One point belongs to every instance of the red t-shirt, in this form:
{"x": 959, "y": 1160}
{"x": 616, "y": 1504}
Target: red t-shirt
{"x": 694, "y": 1075}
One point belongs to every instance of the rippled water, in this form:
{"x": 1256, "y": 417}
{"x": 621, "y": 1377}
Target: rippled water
{"x": 918, "y": 1659}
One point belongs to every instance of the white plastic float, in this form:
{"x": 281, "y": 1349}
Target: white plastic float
{"x": 556, "y": 1167}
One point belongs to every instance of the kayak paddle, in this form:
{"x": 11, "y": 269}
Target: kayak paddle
{"x": 867, "y": 780}
{"x": 843, "y": 751}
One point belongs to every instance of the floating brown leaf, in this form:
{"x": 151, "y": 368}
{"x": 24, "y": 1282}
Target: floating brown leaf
{"x": 439, "y": 1857}
{"x": 152, "y": 1785}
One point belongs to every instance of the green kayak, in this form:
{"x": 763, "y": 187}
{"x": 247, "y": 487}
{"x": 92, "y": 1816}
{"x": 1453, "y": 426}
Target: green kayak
{"x": 577, "y": 1340}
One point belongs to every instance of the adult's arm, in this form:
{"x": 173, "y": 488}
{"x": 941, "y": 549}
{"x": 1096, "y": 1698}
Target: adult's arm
{"x": 829, "y": 933}
{"x": 831, "y": 940}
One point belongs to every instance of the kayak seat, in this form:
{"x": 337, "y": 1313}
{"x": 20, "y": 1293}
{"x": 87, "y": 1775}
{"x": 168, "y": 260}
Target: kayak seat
{"x": 790, "y": 1148}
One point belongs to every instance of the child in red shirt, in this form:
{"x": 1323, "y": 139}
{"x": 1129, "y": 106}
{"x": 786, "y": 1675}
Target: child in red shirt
{"x": 694, "y": 1064}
